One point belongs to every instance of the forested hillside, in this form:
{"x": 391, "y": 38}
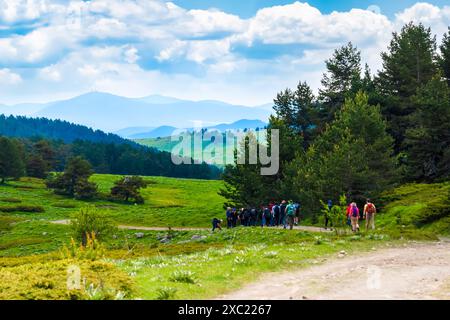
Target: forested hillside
{"x": 24, "y": 127}
{"x": 37, "y": 146}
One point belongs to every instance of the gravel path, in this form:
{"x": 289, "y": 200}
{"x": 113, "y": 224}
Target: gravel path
{"x": 414, "y": 271}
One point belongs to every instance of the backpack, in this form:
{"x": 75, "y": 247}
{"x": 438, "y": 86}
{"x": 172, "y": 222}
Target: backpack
{"x": 355, "y": 212}
{"x": 370, "y": 208}
{"x": 290, "y": 210}
{"x": 266, "y": 213}
{"x": 276, "y": 209}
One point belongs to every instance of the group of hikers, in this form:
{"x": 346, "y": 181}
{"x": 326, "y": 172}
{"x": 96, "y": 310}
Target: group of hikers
{"x": 287, "y": 214}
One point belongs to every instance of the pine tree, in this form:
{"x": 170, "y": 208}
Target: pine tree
{"x": 299, "y": 111}
{"x": 243, "y": 182}
{"x": 129, "y": 188}
{"x": 411, "y": 61}
{"x": 445, "y": 56}
{"x": 76, "y": 175}
{"x": 428, "y": 142}
{"x": 352, "y": 156}
{"x": 343, "y": 73}
{"x": 11, "y": 159}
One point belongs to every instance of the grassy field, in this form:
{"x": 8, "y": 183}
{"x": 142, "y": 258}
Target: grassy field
{"x": 172, "y": 264}
{"x": 168, "y": 201}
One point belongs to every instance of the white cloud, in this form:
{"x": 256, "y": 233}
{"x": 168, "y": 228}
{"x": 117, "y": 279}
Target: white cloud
{"x": 432, "y": 16}
{"x": 7, "y": 77}
{"x": 134, "y": 47}
{"x": 12, "y": 11}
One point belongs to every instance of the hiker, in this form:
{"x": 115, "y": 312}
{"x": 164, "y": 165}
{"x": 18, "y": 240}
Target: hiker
{"x": 297, "y": 214}
{"x": 234, "y": 217}
{"x": 369, "y": 214}
{"x": 328, "y": 215}
{"x": 216, "y": 224}
{"x": 229, "y": 215}
{"x": 266, "y": 216}
{"x": 247, "y": 217}
{"x": 282, "y": 220}
{"x": 290, "y": 215}
{"x": 253, "y": 217}
{"x": 354, "y": 217}
{"x": 275, "y": 215}
{"x": 241, "y": 216}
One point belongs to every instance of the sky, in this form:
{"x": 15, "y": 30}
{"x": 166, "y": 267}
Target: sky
{"x": 241, "y": 52}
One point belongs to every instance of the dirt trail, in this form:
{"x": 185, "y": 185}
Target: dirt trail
{"x": 142, "y": 228}
{"x": 415, "y": 271}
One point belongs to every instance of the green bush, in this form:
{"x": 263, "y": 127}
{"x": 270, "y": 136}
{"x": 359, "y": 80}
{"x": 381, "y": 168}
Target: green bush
{"x": 89, "y": 221}
{"x": 22, "y": 208}
{"x": 165, "y": 293}
{"x": 183, "y": 277}
{"x": 11, "y": 200}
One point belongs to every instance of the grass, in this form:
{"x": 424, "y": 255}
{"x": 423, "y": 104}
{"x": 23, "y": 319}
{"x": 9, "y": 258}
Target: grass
{"x": 168, "y": 202}
{"x": 244, "y": 257}
{"x": 416, "y": 208}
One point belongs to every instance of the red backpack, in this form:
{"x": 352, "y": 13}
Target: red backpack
{"x": 370, "y": 208}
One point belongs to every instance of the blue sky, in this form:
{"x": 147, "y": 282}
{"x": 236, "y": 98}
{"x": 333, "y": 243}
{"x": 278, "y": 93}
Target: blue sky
{"x": 247, "y": 8}
{"x": 242, "y": 52}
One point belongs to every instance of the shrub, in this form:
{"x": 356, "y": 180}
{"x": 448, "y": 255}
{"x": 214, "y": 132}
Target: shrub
{"x": 93, "y": 249}
{"x": 165, "y": 293}
{"x": 85, "y": 190}
{"x": 6, "y": 222}
{"x": 88, "y": 221}
{"x": 11, "y": 200}
{"x": 183, "y": 277}
{"x": 128, "y": 188}
{"x": 47, "y": 280}
{"x": 22, "y": 208}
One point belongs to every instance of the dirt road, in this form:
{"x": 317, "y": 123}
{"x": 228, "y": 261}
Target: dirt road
{"x": 415, "y": 271}
{"x": 143, "y": 228}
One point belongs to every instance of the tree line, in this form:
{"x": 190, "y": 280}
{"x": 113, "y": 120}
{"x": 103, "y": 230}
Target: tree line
{"x": 38, "y": 157}
{"x": 363, "y": 132}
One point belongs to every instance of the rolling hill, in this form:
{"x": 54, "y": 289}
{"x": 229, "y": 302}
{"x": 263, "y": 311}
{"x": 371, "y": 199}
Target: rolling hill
{"x": 165, "y": 131}
{"x": 110, "y": 113}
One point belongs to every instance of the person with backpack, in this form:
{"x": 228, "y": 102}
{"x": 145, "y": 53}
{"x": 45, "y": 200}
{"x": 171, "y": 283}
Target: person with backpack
{"x": 247, "y": 217}
{"x": 234, "y": 217}
{"x": 275, "y": 215}
{"x": 216, "y": 224}
{"x": 328, "y": 215}
{"x": 282, "y": 220}
{"x": 354, "y": 217}
{"x": 241, "y": 216}
{"x": 266, "y": 217}
{"x": 290, "y": 215}
{"x": 253, "y": 217}
{"x": 297, "y": 213}
{"x": 369, "y": 214}
{"x": 229, "y": 215}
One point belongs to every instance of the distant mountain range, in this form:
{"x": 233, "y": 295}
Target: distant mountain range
{"x": 111, "y": 113}
{"x": 165, "y": 131}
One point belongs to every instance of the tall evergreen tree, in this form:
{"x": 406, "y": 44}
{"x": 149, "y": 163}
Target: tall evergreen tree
{"x": 409, "y": 63}
{"x": 428, "y": 143}
{"x": 73, "y": 179}
{"x": 343, "y": 73}
{"x": 299, "y": 111}
{"x": 243, "y": 181}
{"x": 353, "y": 155}
{"x": 11, "y": 160}
{"x": 445, "y": 56}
